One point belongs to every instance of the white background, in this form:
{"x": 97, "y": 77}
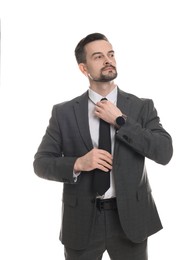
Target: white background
{"x": 155, "y": 44}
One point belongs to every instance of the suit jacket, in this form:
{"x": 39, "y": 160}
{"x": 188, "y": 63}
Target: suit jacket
{"x": 68, "y": 137}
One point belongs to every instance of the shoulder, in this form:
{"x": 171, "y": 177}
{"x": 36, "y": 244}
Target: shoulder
{"x": 134, "y": 99}
{"x": 70, "y": 103}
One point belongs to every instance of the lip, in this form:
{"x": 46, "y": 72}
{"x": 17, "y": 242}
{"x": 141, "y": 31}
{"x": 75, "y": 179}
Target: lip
{"x": 108, "y": 68}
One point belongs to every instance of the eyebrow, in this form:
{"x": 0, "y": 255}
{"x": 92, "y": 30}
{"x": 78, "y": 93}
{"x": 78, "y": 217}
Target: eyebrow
{"x": 99, "y": 52}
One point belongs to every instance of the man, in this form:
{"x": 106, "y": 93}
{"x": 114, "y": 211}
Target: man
{"x": 122, "y": 216}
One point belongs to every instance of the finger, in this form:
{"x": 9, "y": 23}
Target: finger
{"x": 100, "y": 155}
{"x": 97, "y": 109}
{"x": 100, "y": 103}
{"x": 105, "y": 153}
{"x": 104, "y": 166}
{"x": 105, "y": 162}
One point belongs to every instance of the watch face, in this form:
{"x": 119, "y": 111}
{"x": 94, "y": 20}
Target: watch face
{"x": 120, "y": 120}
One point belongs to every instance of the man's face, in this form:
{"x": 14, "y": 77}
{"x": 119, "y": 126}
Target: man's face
{"x": 100, "y": 61}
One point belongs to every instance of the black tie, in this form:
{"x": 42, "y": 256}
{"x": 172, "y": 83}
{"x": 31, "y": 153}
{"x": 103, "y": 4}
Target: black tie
{"x": 101, "y": 181}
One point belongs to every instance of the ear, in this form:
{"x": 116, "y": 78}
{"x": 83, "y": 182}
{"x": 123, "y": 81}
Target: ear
{"x": 83, "y": 69}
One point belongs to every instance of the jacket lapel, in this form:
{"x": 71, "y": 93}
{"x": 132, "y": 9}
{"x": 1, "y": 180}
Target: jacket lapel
{"x": 81, "y": 113}
{"x": 123, "y": 102}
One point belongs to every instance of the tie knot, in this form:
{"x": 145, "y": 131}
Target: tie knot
{"x": 103, "y": 99}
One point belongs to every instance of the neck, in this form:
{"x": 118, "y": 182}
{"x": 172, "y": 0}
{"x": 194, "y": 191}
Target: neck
{"x": 102, "y": 88}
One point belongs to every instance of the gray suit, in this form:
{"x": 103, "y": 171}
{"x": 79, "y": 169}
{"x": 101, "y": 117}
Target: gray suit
{"x": 68, "y": 137}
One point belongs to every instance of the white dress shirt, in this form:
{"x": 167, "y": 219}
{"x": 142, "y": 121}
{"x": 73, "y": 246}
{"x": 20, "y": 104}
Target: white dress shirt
{"x": 94, "y": 130}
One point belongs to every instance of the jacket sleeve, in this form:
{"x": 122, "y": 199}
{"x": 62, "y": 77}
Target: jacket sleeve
{"x": 146, "y": 135}
{"x": 49, "y": 161}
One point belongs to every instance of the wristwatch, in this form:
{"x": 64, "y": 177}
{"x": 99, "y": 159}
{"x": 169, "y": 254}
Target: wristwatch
{"x": 120, "y": 121}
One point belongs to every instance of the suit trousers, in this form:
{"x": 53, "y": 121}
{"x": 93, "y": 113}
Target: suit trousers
{"x": 109, "y": 236}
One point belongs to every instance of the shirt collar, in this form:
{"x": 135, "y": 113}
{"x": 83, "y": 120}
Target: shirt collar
{"x": 95, "y": 97}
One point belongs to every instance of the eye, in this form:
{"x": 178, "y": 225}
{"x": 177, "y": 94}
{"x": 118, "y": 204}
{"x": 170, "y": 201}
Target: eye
{"x": 98, "y": 57}
{"x": 111, "y": 55}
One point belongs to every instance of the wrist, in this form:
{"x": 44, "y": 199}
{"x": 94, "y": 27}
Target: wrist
{"x": 76, "y": 167}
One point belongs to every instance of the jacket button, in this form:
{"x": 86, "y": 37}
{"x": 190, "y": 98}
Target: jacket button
{"x": 125, "y": 137}
{"x": 129, "y": 140}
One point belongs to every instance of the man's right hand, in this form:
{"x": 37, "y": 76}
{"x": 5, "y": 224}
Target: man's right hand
{"x": 95, "y": 159}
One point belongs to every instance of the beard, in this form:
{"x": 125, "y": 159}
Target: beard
{"x": 111, "y": 75}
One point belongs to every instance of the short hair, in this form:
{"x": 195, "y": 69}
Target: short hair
{"x": 79, "y": 50}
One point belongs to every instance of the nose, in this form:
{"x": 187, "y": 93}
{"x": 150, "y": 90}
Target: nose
{"x": 107, "y": 61}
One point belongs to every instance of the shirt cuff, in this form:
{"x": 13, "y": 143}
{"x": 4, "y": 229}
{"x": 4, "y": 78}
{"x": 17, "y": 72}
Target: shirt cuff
{"x": 75, "y": 176}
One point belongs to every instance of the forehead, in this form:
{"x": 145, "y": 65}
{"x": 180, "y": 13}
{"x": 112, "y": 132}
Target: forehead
{"x": 98, "y": 46}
